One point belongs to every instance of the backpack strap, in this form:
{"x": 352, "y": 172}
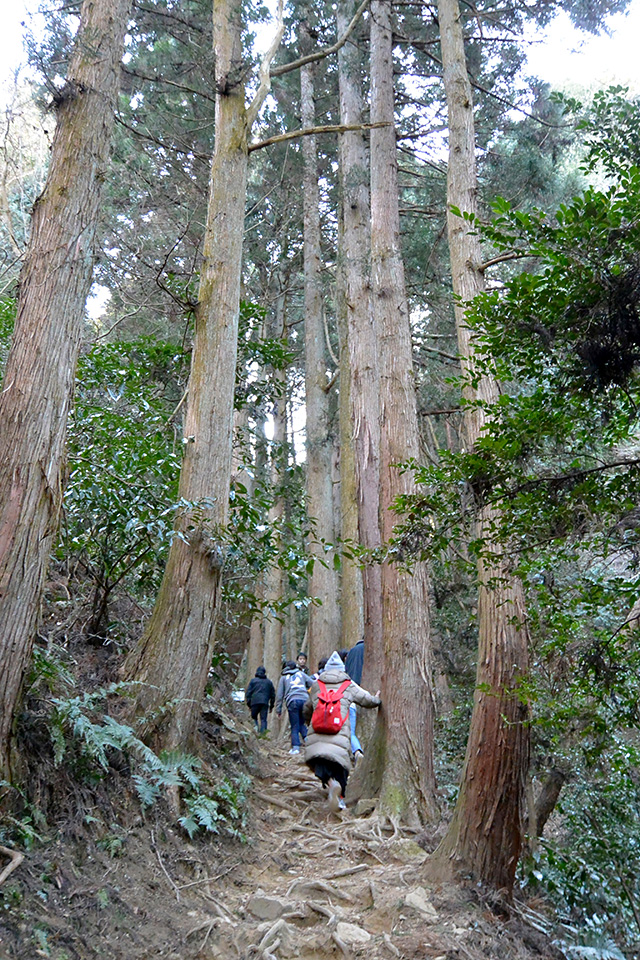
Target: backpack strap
{"x": 332, "y": 696}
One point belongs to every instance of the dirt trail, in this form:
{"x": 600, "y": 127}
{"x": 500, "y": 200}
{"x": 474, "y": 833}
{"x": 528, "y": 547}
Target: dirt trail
{"x": 308, "y": 884}
{"x": 318, "y": 885}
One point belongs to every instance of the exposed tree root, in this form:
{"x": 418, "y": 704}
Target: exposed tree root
{"x": 15, "y": 859}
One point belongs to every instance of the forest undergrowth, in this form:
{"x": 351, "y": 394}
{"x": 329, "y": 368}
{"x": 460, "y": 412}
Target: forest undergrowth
{"x": 104, "y": 876}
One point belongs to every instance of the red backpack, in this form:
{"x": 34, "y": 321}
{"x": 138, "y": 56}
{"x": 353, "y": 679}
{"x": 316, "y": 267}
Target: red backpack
{"x": 327, "y": 716}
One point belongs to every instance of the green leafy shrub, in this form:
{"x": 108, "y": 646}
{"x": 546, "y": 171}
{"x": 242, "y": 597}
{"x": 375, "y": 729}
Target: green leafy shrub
{"x": 91, "y": 739}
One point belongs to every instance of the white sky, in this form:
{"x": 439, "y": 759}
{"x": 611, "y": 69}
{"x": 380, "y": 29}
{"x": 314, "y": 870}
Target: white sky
{"x": 562, "y": 56}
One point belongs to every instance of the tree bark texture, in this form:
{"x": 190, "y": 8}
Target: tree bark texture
{"x": 408, "y": 783}
{"x": 351, "y": 595}
{"x": 485, "y": 836}
{"x": 548, "y": 798}
{"x": 274, "y": 577}
{"x": 323, "y": 632}
{"x": 174, "y": 655}
{"x": 40, "y": 374}
{"x": 364, "y": 377}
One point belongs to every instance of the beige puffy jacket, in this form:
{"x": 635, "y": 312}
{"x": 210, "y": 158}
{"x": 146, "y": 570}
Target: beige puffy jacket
{"x": 335, "y": 746}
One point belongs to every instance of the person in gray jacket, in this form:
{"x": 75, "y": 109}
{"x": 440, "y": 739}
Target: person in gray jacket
{"x": 292, "y": 690}
{"x": 329, "y": 754}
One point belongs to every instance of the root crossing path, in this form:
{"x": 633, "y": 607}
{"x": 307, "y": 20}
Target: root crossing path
{"x": 316, "y": 885}
{"x": 307, "y": 884}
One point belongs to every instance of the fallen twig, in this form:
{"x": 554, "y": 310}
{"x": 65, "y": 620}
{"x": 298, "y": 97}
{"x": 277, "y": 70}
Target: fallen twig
{"x": 271, "y": 934}
{"x": 217, "y": 876}
{"x": 164, "y": 869}
{"x": 391, "y": 946}
{"x": 15, "y": 858}
{"x": 275, "y": 801}
{"x": 347, "y": 872}
{"x": 341, "y": 945}
{"x": 319, "y": 885}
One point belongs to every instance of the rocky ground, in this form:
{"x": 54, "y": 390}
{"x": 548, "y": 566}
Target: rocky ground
{"x": 307, "y": 884}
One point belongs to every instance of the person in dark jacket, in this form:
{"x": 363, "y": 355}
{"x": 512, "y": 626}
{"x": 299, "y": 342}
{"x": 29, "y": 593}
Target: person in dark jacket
{"x": 292, "y": 691}
{"x": 355, "y": 661}
{"x": 260, "y": 698}
{"x": 353, "y": 667}
{"x": 329, "y": 754}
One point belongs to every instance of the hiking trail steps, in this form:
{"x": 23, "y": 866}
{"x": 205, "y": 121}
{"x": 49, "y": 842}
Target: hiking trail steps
{"x": 316, "y": 885}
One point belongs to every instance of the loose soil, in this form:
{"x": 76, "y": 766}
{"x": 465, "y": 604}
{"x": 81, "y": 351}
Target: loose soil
{"x": 306, "y": 884}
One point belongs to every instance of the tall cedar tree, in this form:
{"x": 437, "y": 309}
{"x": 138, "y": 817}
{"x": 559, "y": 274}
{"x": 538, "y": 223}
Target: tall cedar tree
{"x": 174, "y": 655}
{"x": 408, "y": 781}
{"x": 323, "y": 629}
{"x": 364, "y": 386}
{"x": 485, "y": 835}
{"x": 40, "y": 374}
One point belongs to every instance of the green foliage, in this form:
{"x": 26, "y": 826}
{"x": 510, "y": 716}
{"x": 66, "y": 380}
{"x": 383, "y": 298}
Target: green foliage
{"x": 559, "y": 460}
{"x": 593, "y": 872}
{"x": 224, "y": 806}
{"x": 124, "y": 458}
{"x": 125, "y": 450}
{"x": 7, "y": 320}
{"x": 89, "y": 739}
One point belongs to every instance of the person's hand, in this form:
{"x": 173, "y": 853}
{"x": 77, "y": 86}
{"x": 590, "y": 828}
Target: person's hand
{"x": 279, "y": 713}
{"x": 377, "y": 694}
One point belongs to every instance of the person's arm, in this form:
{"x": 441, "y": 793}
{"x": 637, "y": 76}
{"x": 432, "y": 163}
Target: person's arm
{"x": 280, "y": 695}
{"x": 272, "y": 695}
{"x": 248, "y": 693}
{"x": 362, "y": 697}
{"x": 307, "y": 710}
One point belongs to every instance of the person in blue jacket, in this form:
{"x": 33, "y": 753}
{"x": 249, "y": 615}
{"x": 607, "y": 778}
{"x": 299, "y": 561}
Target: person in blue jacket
{"x": 260, "y": 697}
{"x": 353, "y": 667}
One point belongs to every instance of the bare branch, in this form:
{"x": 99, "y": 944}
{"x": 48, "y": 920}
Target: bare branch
{"x": 501, "y": 258}
{"x": 311, "y": 131}
{"x": 324, "y": 51}
{"x": 264, "y": 73}
{"x": 15, "y": 859}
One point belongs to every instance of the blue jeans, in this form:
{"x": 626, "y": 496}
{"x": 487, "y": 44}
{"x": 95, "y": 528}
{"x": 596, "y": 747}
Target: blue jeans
{"x": 355, "y": 743}
{"x": 260, "y": 710}
{"x": 298, "y": 726}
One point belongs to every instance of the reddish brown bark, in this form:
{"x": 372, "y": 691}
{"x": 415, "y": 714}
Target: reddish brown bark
{"x": 408, "y": 780}
{"x": 485, "y": 836}
{"x": 173, "y": 658}
{"x": 362, "y": 340}
{"x": 323, "y": 630}
{"x": 39, "y": 379}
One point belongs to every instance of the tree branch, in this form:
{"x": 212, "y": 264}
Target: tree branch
{"x": 311, "y": 131}
{"x": 264, "y": 73}
{"x": 512, "y": 255}
{"x": 324, "y": 51}
{"x": 171, "y": 83}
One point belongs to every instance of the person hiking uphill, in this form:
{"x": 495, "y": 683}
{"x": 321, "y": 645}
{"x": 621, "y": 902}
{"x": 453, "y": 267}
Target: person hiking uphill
{"x": 292, "y": 690}
{"x": 353, "y": 666}
{"x": 260, "y": 697}
{"x": 329, "y": 754}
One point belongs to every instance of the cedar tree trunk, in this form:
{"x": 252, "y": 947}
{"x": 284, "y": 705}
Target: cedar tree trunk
{"x": 485, "y": 835}
{"x": 174, "y": 655}
{"x": 39, "y": 380}
{"x": 408, "y": 781}
{"x": 323, "y": 632}
{"x": 364, "y": 378}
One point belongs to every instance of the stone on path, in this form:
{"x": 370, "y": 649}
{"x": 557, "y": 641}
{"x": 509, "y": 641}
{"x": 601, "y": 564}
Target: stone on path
{"x": 408, "y": 851}
{"x": 352, "y": 935}
{"x": 267, "y": 908}
{"x": 419, "y": 901}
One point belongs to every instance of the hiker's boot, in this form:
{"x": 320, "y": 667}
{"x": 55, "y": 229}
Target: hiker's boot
{"x": 335, "y": 799}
